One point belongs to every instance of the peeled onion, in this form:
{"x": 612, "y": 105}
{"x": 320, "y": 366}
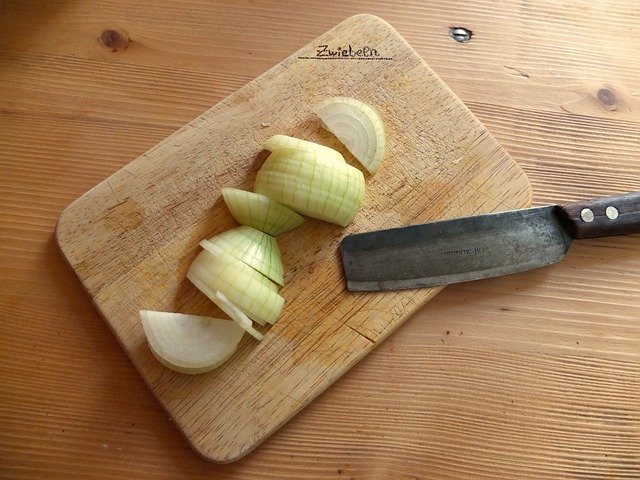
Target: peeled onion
{"x": 190, "y": 343}
{"x": 260, "y": 212}
{"x": 312, "y": 184}
{"x": 357, "y": 126}
{"x": 253, "y": 247}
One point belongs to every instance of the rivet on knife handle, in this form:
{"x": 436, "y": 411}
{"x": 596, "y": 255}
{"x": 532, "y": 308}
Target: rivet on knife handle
{"x": 602, "y": 217}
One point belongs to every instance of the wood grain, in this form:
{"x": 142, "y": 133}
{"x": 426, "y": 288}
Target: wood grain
{"x": 438, "y": 164}
{"x": 562, "y": 342}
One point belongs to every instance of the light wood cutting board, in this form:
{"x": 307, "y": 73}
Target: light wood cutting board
{"x": 131, "y": 238}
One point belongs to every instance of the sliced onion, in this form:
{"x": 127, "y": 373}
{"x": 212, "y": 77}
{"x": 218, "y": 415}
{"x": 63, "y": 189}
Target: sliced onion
{"x": 283, "y": 142}
{"x": 212, "y": 262}
{"x": 249, "y": 290}
{"x": 357, "y": 126}
{"x": 237, "y": 315}
{"x": 190, "y": 343}
{"x": 253, "y": 247}
{"x": 260, "y": 212}
{"x": 312, "y": 185}
{"x": 222, "y": 301}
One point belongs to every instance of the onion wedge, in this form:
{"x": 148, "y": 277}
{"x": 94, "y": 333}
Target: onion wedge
{"x": 190, "y": 343}
{"x": 260, "y": 212}
{"x": 312, "y": 185}
{"x": 253, "y": 247}
{"x": 357, "y": 126}
{"x": 249, "y": 290}
{"x": 237, "y": 315}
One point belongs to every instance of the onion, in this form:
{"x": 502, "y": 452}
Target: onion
{"x": 312, "y": 185}
{"x": 237, "y": 315}
{"x": 282, "y": 142}
{"x": 357, "y": 126}
{"x": 222, "y": 301}
{"x": 190, "y": 343}
{"x": 260, "y": 212}
{"x": 237, "y": 268}
{"x": 253, "y": 247}
{"x": 253, "y": 293}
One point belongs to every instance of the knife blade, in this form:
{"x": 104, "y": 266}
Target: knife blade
{"x": 480, "y": 246}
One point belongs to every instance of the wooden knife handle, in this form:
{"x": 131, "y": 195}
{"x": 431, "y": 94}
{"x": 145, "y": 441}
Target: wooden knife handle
{"x": 602, "y": 217}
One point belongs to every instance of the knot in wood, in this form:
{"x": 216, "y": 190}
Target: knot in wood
{"x": 115, "y": 40}
{"x": 607, "y": 98}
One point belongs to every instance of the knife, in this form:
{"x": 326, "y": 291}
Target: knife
{"x": 481, "y": 246}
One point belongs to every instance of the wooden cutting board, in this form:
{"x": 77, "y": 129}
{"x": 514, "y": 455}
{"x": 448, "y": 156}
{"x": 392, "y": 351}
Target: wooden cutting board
{"x": 131, "y": 238}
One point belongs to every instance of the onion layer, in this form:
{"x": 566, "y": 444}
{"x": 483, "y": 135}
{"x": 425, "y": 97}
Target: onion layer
{"x": 190, "y": 343}
{"x": 283, "y": 142}
{"x": 249, "y": 290}
{"x": 260, "y": 212}
{"x": 253, "y": 247}
{"x": 357, "y": 126}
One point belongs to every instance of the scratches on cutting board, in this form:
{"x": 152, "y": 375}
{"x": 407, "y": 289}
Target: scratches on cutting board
{"x": 360, "y": 333}
{"x": 516, "y": 72}
{"x": 113, "y": 191}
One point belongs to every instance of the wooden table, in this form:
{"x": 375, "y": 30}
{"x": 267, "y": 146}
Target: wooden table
{"x": 536, "y": 375}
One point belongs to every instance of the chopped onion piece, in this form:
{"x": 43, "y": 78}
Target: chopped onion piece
{"x": 357, "y": 126}
{"x": 249, "y": 290}
{"x": 312, "y": 185}
{"x": 260, "y": 212}
{"x": 210, "y": 262}
{"x": 253, "y": 247}
{"x": 190, "y": 343}
{"x": 247, "y": 325}
{"x": 237, "y": 315}
{"x": 283, "y": 142}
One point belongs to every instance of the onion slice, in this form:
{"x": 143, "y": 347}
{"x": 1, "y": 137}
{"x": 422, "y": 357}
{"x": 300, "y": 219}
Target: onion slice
{"x": 190, "y": 343}
{"x": 357, "y": 126}
{"x": 253, "y": 247}
{"x": 237, "y": 315}
{"x": 223, "y": 302}
{"x": 253, "y": 293}
{"x": 260, "y": 212}
{"x": 312, "y": 185}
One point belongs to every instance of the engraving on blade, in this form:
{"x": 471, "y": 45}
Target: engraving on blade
{"x": 454, "y": 251}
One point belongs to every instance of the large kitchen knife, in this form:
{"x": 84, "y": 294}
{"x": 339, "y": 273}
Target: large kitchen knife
{"x": 481, "y": 246}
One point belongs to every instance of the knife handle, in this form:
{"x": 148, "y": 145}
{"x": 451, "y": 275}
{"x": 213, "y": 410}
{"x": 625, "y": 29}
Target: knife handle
{"x": 602, "y": 217}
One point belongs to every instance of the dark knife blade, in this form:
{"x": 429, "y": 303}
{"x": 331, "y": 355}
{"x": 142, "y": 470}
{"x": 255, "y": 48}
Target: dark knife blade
{"x": 481, "y": 246}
